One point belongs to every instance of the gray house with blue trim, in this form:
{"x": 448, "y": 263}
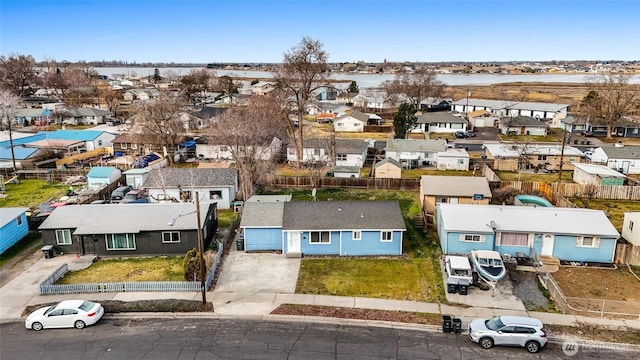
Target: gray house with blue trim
{"x": 570, "y": 234}
{"x": 344, "y": 228}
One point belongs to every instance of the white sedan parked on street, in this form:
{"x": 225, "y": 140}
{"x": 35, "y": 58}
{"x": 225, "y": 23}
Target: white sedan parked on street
{"x": 66, "y": 314}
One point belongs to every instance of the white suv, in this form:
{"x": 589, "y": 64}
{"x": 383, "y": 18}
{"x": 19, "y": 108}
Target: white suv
{"x": 509, "y": 331}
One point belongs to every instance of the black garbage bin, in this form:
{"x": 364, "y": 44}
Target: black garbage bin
{"x": 446, "y": 324}
{"x": 463, "y": 289}
{"x": 47, "y": 250}
{"x": 457, "y": 326}
{"x": 240, "y": 242}
{"x": 452, "y": 288}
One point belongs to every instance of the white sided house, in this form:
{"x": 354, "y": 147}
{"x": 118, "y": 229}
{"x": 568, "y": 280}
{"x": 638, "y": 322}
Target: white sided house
{"x": 453, "y": 159}
{"x": 348, "y": 152}
{"x": 412, "y": 153}
{"x": 354, "y": 121}
{"x": 502, "y": 108}
{"x": 213, "y": 147}
{"x": 622, "y": 158}
{"x": 440, "y": 122}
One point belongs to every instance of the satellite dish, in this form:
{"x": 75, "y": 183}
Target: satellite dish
{"x": 492, "y": 224}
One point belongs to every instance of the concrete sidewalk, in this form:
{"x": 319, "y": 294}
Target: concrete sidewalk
{"x": 24, "y": 290}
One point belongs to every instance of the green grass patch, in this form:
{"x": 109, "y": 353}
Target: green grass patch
{"x": 30, "y": 240}
{"x": 567, "y": 176}
{"x": 160, "y": 268}
{"x": 614, "y": 209}
{"x": 417, "y": 173}
{"x": 225, "y": 218}
{"x": 31, "y": 192}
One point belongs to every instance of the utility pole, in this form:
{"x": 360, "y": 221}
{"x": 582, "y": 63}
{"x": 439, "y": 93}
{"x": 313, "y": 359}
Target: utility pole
{"x": 564, "y": 140}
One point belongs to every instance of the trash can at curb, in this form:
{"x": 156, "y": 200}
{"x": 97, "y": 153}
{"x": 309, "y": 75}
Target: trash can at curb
{"x": 240, "y": 242}
{"x": 446, "y": 324}
{"x": 47, "y": 250}
{"x": 457, "y": 326}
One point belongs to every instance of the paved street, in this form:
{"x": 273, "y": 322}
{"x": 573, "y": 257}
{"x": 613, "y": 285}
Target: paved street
{"x": 205, "y": 338}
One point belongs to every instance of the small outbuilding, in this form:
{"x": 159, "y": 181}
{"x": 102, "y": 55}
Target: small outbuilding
{"x": 101, "y": 176}
{"x": 387, "y": 168}
{"x": 594, "y": 174}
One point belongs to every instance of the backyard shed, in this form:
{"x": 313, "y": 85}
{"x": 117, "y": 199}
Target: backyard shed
{"x": 101, "y": 176}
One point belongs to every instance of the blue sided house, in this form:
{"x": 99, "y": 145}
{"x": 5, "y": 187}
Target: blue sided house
{"x": 344, "y": 228}
{"x": 569, "y": 234}
{"x": 13, "y": 226}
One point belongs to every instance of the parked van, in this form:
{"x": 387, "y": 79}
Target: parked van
{"x": 118, "y": 194}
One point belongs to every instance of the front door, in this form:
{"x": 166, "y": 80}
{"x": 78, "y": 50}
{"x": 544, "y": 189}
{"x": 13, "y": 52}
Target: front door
{"x": 293, "y": 245}
{"x": 547, "y": 245}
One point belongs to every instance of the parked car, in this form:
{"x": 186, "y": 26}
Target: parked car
{"x": 470, "y": 133}
{"x": 586, "y": 133}
{"x": 118, "y": 194}
{"x": 135, "y": 197}
{"x": 66, "y": 314}
{"x": 509, "y": 331}
{"x": 460, "y": 134}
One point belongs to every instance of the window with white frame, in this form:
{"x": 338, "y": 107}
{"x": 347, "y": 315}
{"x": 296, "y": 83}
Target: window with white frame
{"x": 63, "y": 237}
{"x": 357, "y": 235}
{"x": 341, "y": 157}
{"x": 514, "y": 239}
{"x": 171, "y": 237}
{"x": 134, "y": 146}
{"x": 121, "y": 241}
{"x": 123, "y": 146}
{"x": 542, "y": 157}
{"x": 386, "y": 236}
{"x": 100, "y": 143}
{"x": 588, "y": 241}
{"x": 320, "y": 237}
{"x": 471, "y": 237}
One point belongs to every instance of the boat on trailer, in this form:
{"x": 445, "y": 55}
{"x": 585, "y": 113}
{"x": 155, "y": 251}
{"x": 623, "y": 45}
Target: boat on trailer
{"x": 488, "y": 264}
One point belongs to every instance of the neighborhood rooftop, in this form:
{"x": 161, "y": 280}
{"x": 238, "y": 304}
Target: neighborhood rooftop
{"x": 343, "y": 215}
{"x": 190, "y": 177}
{"x": 455, "y": 186}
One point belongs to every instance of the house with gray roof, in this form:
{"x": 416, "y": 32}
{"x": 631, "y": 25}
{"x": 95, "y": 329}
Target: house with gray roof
{"x": 543, "y": 156}
{"x": 454, "y": 190}
{"x": 412, "y": 153}
{"x": 219, "y": 185}
{"x": 354, "y": 121}
{"x": 440, "y": 122}
{"x": 501, "y": 108}
{"x": 85, "y": 116}
{"x": 129, "y": 229}
{"x": 570, "y": 234}
{"x": 348, "y": 152}
{"x": 522, "y": 125}
{"x": 622, "y": 158}
{"x": 343, "y": 228}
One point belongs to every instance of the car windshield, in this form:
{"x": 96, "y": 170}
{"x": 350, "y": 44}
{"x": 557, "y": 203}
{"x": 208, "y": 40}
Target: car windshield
{"x": 49, "y": 310}
{"x": 494, "y": 323}
{"x": 87, "y": 305}
{"x": 131, "y": 196}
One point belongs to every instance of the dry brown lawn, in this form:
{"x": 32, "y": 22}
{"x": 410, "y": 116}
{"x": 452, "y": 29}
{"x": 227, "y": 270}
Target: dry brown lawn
{"x": 584, "y": 282}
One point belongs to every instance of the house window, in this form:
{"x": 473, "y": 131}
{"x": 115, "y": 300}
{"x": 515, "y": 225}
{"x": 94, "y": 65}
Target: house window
{"x": 320, "y": 237}
{"x": 123, "y": 146}
{"x": 316, "y": 152}
{"x": 215, "y": 195}
{"x": 514, "y": 239}
{"x": 442, "y": 199}
{"x": 386, "y": 236}
{"x": 588, "y": 241}
{"x": 99, "y": 142}
{"x": 542, "y": 157}
{"x": 357, "y": 235}
{"x": 471, "y": 238}
{"x": 134, "y": 146}
{"x": 63, "y": 237}
{"x": 223, "y": 148}
{"x": 171, "y": 237}
{"x": 341, "y": 157}
{"x": 19, "y": 220}
{"x": 121, "y": 242}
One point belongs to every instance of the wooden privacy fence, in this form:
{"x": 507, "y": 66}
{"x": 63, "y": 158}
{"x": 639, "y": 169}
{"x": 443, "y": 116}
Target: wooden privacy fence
{"x": 571, "y": 190}
{"x": 362, "y": 183}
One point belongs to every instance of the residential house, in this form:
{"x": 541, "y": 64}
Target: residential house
{"x": 85, "y": 116}
{"x": 13, "y": 226}
{"x": 354, "y": 121}
{"x": 433, "y": 104}
{"x": 483, "y": 118}
{"x": 181, "y": 184}
{"x": 440, "y": 122}
{"x": 101, "y": 176}
{"x": 92, "y": 139}
{"x": 387, "y": 168}
{"x": 631, "y": 233}
{"x": 570, "y": 234}
{"x": 136, "y": 177}
{"x": 31, "y": 116}
{"x": 594, "y": 174}
{"x": 374, "y": 101}
{"x": 627, "y": 127}
{"x": 517, "y": 156}
{"x": 142, "y": 144}
{"x": 576, "y": 124}
{"x": 129, "y": 230}
{"x": 348, "y": 152}
{"x": 622, "y": 158}
{"x": 502, "y": 108}
{"x": 215, "y": 147}
{"x": 140, "y": 94}
{"x": 522, "y": 125}
{"x": 18, "y": 154}
{"x": 326, "y": 93}
{"x": 344, "y": 228}
{"x": 453, "y": 159}
{"x": 262, "y": 88}
{"x": 412, "y": 153}
{"x": 453, "y": 190}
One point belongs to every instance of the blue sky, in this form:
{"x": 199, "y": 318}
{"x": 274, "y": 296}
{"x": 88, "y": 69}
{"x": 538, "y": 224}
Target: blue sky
{"x": 202, "y": 31}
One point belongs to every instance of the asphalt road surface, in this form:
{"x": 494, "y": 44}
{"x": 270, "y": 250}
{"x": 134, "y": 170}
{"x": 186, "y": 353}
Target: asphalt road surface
{"x": 157, "y": 339}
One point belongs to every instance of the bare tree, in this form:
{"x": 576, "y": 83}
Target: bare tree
{"x": 611, "y": 97}
{"x": 249, "y": 133}
{"x": 159, "y": 121}
{"x": 112, "y": 98}
{"x": 415, "y": 86}
{"x": 18, "y": 73}
{"x": 304, "y": 69}
{"x": 586, "y": 194}
{"x": 227, "y": 86}
{"x": 195, "y": 82}
{"x": 8, "y": 105}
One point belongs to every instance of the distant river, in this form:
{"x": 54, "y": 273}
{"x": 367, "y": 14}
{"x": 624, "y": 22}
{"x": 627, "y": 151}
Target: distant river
{"x": 368, "y": 80}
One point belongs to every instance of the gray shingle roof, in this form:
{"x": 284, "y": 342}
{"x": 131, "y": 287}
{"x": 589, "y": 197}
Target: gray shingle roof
{"x": 455, "y": 186}
{"x": 10, "y": 213}
{"x": 517, "y": 105}
{"x": 356, "y": 115}
{"x": 387, "y": 160}
{"x": 440, "y": 117}
{"x": 416, "y": 145}
{"x": 343, "y": 215}
{"x": 624, "y": 152}
{"x": 190, "y": 177}
{"x": 522, "y": 121}
{"x": 343, "y": 146}
{"x": 262, "y": 214}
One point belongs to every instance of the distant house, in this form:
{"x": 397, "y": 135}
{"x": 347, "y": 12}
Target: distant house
{"x": 101, "y": 176}
{"x": 627, "y": 127}
{"x": 622, "y": 158}
{"x": 344, "y": 228}
{"x": 13, "y": 226}
{"x": 348, "y": 152}
{"x": 570, "y": 234}
{"x": 28, "y": 116}
{"x": 142, "y": 144}
{"x": 453, "y": 159}
{"x": 440, "y": 122}
{"x": 522, "y": 125}
{"x": 512, "y": 157}
{"x": 594, "y": 174}
{"x": 503, "y": 108}
{"x": 374, "y": 101}
{"x": 453, "y": 190}
{"x": 483, "y": 118}
{"x": 432, "y": 104}
{"x": 181, "y": 184}
{"x": 262, "y": 88}
{"x": 214, "y": 147}
{"x": 387, "y": 168}
{"x": 128, "y": 230}
{"x": 412, "y": 153}
{"x": 85, "y": 116}
{"x": 576, "y": 124}
{"x": 354, "y": 121}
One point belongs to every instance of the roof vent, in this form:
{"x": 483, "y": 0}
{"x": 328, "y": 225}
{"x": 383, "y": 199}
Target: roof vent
{"x": 619, "y": 144}
{"x": 339, "y": 209}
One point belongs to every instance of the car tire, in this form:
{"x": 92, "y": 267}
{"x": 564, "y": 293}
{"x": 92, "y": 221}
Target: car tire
{"x": 486, "y": 343}
{"x": 532, "y": 346}
{"x": 37, "y": 326}
{"x": 79, "y": 324}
